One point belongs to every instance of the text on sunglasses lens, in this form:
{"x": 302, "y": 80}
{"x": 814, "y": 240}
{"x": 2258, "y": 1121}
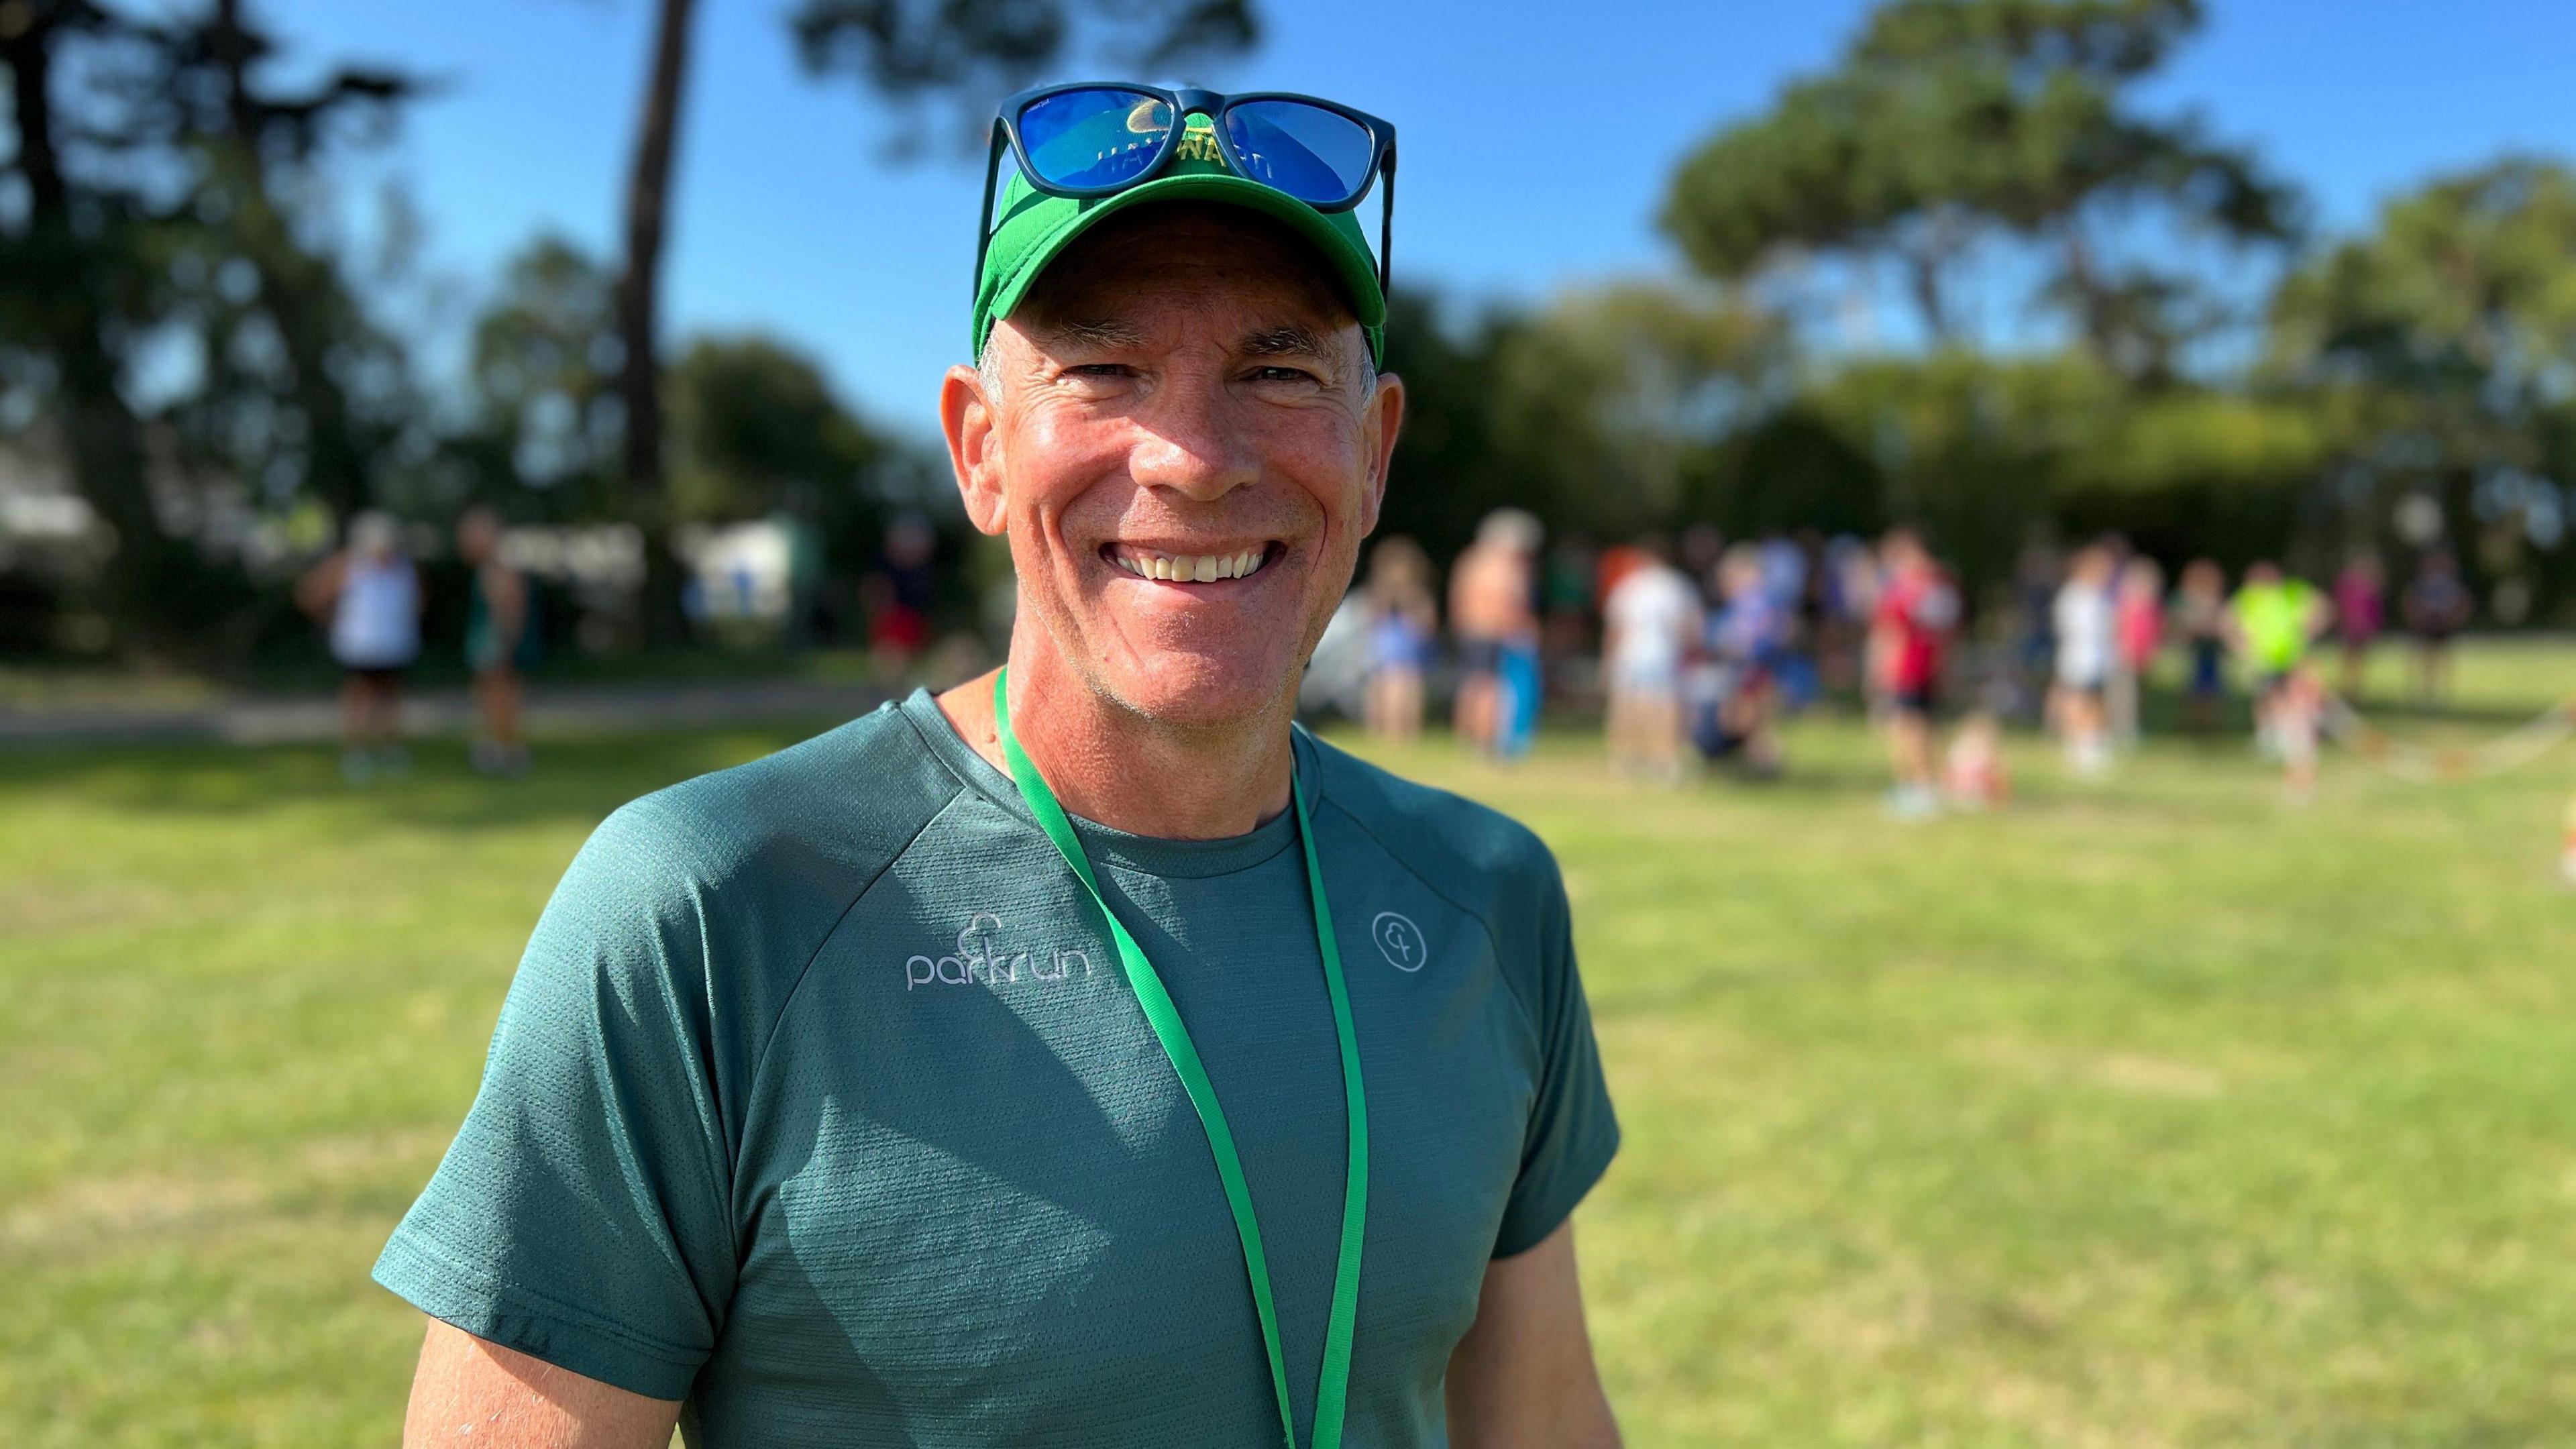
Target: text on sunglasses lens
{"x": 1095, "y": 137}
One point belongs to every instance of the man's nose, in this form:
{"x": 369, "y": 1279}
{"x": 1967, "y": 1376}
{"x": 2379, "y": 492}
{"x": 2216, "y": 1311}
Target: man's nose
{"x": 1192, "y": 442}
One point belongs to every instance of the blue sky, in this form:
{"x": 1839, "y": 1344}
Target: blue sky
{"x": 1535, "y": 146}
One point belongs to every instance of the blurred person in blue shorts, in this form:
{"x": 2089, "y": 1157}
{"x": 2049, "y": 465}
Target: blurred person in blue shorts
{"x": 1747, "y": 639}
{"x": 1493, "y": 614}
{"x": 2200, "y": 618}
{"x": 1404, "y": 624}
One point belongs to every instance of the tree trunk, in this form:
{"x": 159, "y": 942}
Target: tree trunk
{"x": 1928, "y": 249}
{"x": 294, "y": 290}
{"x": 1923, "y": 273}
{"x": 61, "y": 288}
{"x": 2093, "y": 303}
{"x": 639, "y": 382}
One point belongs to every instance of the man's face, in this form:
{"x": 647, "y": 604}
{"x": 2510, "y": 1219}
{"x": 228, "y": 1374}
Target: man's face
{"x": 1184, "y": 441}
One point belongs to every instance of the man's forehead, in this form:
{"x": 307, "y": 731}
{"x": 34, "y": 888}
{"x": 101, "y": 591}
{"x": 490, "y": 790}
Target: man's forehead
{"x": 1147, "y": 270}
{"x": 1144, "y": 323}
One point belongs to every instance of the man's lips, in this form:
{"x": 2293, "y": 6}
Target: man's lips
{"x": 1179, "y": 567}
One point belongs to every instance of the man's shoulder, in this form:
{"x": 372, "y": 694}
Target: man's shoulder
{"x": 809, "y": 824}
{"x": 1473, "y": 853}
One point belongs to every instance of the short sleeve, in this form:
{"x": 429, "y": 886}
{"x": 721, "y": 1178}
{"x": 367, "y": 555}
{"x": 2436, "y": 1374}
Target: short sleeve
{"x": 1573, "y": 1132}
{"x": 581, "y": 1215}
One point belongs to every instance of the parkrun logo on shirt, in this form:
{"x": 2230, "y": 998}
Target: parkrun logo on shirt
{"x": 979, "y": 960}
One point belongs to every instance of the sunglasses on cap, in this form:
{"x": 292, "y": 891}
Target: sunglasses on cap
{"x": 1093, "y": 139}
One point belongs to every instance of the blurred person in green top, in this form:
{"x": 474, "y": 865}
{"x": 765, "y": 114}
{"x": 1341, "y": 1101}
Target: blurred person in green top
{"x": 871, "y": 1093}
{"x": 500, "y": 640}
{"x": 2273, "y": 621}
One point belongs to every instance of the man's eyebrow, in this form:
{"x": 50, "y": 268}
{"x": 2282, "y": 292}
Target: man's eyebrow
{"x": 1102, "y": 332}
{"x": 1288, "y": 341}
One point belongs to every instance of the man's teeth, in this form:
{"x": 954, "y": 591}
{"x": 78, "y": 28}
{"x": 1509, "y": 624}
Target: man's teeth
{"x": 1203, "y": 568}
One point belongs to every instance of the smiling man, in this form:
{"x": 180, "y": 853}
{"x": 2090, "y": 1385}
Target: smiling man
{"x": 1086, "y": 1055}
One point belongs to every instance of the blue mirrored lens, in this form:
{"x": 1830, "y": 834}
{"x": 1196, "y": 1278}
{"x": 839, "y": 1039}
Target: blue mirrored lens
{"x": 1311, "y": 153}
{"x": 1091, "y": 138}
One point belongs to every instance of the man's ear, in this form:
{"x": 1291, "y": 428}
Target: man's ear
{"x": 1379, "y": 424}
{"x": 966, "y": 417}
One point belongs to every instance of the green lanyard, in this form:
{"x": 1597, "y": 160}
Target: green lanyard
{"x": 1333, "y": 1384}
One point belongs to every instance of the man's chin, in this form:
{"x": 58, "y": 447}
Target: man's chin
{"x": 1198, "y": 691}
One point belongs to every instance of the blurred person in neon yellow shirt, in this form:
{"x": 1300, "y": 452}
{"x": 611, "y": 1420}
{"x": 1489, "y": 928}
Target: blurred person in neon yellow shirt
{"x": 2272, "y": 621}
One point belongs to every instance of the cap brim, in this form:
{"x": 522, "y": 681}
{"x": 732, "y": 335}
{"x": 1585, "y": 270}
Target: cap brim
{"x": 1348, "y": 257}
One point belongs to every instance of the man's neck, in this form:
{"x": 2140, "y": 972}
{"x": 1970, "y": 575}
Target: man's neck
{"x": 1113, "y": 766}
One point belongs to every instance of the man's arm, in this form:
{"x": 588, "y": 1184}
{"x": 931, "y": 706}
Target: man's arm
{"x": 1523, "y": 1375}
{"x": 320, "y": 585}
{"x": 505, "y": 589}
{"x": 467, "y": 1391}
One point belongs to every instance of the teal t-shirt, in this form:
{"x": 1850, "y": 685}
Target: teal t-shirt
{"x": 820, "y": 1102}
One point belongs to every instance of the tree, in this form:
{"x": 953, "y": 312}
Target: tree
{"x": 285, "y": 338}
{"x": 905, "y": 50}
{"x": 758, "y": 431}
{"x": 70, "y": 271}
{"x": 1449, "y": 469}
{"x": 1950, "y": 123}
{"x": 1598, "y": 413}
{"x": 754, "y": 427}
{"x": 155, "y": 169}
{"x": 544, "y": 373}
{"x": 638, "y": 297}
{"x": 1615, "y": 397}
{"x": 2441, "y": 349}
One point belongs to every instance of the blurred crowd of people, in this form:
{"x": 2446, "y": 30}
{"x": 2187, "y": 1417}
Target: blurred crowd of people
{"x": 2107, "y": 618}
{"x": 1696, "y": 647}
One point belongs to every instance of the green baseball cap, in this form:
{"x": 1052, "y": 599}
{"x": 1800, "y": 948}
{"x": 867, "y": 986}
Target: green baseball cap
{"x": 1035, "y": 228}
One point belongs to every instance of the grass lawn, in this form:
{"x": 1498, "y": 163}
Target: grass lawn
{"x": 2148, "y": 1113}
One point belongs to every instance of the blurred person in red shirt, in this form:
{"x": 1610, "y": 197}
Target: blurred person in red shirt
{"x": 1918, "y": 610}
{"x": 898, "y": 595}
{"x": 2138, "y": 631}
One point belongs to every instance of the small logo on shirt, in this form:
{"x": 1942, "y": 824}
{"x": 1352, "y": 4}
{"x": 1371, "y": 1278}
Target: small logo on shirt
{"x": 1399, "y": 941}
{"x": 981, "y": 960}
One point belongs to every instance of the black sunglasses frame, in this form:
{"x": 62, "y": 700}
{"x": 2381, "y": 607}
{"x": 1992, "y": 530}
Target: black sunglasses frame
{"x": 1185, "y": 103}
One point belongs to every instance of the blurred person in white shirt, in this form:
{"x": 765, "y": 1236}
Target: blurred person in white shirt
{"x": 368, "y": 597}
{"x": 2086, "y": 654}
{"x": 1650, "y": 620}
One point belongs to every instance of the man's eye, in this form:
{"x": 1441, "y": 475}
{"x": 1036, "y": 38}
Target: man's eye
{"x": 1098, "y": 369}
{"x": 1281, "y": 374}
